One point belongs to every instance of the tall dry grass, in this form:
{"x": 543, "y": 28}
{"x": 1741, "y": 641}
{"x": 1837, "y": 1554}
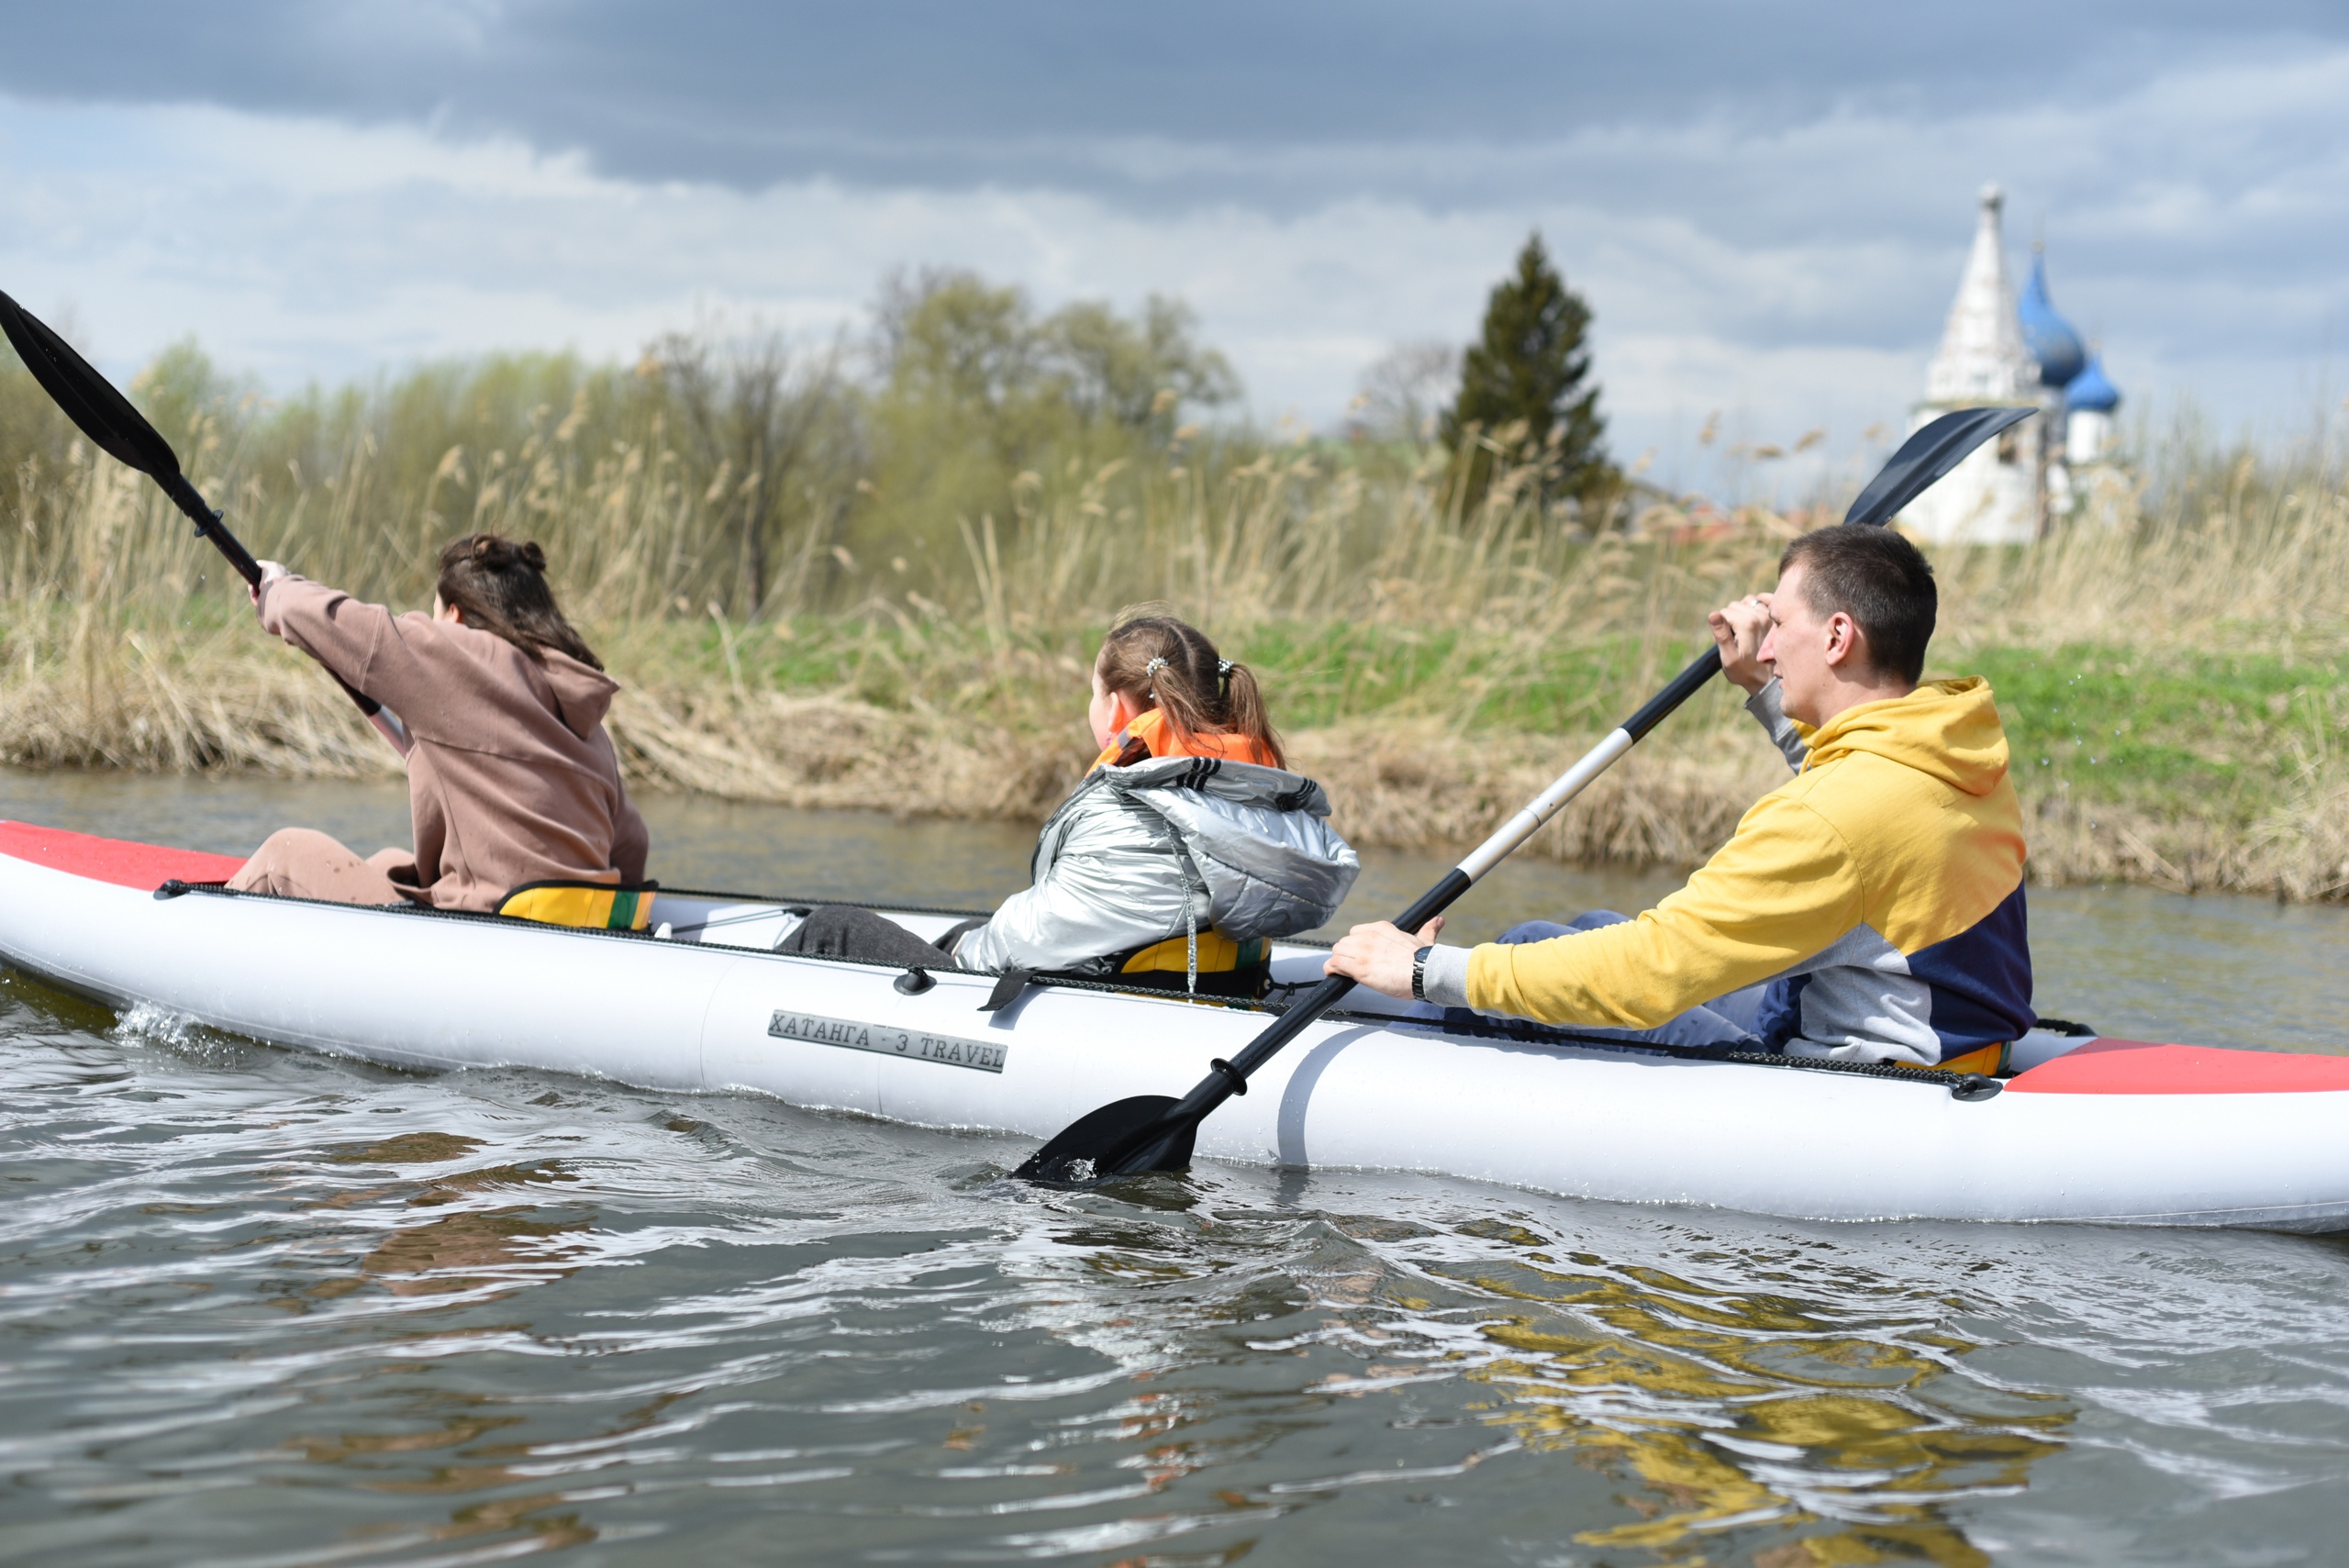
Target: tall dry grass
{"x": 1433, "y": 666}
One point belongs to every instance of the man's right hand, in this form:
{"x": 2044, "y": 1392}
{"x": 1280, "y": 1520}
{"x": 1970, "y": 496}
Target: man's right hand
{"x": 1379, "y": 956}
{"x": 1739, "y": 632}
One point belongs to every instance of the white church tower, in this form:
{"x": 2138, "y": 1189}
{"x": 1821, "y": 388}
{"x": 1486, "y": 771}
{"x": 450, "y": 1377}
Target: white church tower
{"x": 1993, "y": 497}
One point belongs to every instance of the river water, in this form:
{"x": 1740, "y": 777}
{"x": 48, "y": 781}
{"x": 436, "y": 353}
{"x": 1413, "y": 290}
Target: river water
{"x": 264, "y": 1308}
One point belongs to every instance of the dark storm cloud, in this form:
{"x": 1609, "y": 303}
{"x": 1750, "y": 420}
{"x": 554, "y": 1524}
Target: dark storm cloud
{"x": 1210, "y": 102}
{"x": 1753, "y": 195}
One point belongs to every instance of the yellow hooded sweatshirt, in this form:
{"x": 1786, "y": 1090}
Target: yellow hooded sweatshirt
{"x": 1881, "y": 889}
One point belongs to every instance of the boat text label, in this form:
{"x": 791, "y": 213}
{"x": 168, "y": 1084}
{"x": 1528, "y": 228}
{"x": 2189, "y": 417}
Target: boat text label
{"x": 976, "y": 1055}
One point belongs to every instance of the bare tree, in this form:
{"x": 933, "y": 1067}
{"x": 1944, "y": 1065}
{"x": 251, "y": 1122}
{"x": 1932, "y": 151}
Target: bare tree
{"x": 1403, "y": 393}
{"x": 761, "y": 413}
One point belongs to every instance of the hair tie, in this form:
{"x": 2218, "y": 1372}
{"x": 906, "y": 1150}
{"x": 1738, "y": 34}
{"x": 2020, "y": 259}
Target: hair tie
{"x": 1152, "y": 668}
{"x": 1223, "y": 669}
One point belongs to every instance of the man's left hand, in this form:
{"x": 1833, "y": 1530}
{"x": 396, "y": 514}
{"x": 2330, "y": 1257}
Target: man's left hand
{"x": 1740, "y": 630}
{"x": 1379, "y": 956}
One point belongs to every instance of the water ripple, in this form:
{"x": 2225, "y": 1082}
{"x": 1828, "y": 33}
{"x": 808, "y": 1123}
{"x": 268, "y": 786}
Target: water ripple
{"x": 265, "y": 1308}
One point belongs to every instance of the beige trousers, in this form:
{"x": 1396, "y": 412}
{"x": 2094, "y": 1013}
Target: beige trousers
{"x": 301, "y": 862}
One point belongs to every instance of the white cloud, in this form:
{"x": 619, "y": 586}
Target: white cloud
{"x": 1793, "y": 278}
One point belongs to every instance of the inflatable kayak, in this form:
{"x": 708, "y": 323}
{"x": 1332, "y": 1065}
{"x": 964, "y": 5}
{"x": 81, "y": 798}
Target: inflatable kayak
{"x": 2099, "y": 1131}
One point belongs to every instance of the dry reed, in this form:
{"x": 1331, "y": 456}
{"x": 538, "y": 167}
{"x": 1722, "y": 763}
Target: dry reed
{"x": 1434, "y": 668}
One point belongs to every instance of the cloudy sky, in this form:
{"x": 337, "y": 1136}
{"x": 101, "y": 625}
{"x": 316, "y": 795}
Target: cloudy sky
{"x": 1765, "y": 206}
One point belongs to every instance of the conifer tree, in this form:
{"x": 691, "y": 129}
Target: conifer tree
{"x": 1530, "y": 364}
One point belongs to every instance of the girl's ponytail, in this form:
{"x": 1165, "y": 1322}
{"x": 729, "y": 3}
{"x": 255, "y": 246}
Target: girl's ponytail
{"x": 1170, "y": 665}
{"x": 1243, "y": 708}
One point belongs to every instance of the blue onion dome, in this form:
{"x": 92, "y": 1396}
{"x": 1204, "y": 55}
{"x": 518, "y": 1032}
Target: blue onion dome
{"x": 2093, "y": 390}
{"x": 2050, "y": 337}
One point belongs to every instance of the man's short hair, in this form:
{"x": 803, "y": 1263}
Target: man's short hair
{"x": 1881, "y": 581}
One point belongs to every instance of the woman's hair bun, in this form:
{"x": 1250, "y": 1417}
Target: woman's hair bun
{"x": 496, "y": 554}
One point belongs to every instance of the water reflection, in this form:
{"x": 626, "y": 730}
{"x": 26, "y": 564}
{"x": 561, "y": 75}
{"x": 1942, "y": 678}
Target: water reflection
{"x": 384, "y": 1463}
{"x": 482, "y": 1251}
{"x": 1734, "y": 1408}
{"x": 1777, "y": 1397}
{"x": 497, "y": 1250}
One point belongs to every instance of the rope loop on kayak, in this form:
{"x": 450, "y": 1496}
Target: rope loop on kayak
{"x": 1968, "y": 1086}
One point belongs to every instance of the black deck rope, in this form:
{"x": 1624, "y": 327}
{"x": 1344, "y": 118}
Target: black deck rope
{"x": 1965, "y": 1085}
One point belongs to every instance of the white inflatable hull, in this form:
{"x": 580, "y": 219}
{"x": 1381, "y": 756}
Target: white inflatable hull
{"x": 709, "y": 1010}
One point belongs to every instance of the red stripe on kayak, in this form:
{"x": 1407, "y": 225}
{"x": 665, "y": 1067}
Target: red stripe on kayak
{"x": 2135, "y": 1067}
{"x": 118, "y": 861}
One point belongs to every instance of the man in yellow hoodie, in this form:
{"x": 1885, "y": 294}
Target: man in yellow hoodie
{"x": 1878, "y": 894}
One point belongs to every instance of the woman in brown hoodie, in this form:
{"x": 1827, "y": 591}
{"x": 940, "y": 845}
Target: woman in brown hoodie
{"x": 511, "y": 778}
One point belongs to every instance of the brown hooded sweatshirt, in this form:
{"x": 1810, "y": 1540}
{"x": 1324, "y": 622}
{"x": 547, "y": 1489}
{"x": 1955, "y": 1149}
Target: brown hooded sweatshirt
{"x": 511, "y": 778}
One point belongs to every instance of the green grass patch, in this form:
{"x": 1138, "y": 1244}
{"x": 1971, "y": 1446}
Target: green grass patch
{"x": 1328, "y": 673}
{"x": 2230, "y": 731}
{"x": 1315, "y": 674}
{"x": 2207, "y": 733}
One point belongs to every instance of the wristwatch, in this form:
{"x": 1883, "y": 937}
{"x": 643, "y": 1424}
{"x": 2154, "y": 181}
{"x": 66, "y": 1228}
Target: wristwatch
{"x": 1420, "y": 974}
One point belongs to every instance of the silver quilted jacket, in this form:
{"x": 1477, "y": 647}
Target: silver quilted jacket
{"x": 1137, "y": 855}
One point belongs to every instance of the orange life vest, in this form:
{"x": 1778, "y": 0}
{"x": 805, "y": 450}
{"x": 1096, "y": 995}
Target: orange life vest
{"x": 1149, "y": 736}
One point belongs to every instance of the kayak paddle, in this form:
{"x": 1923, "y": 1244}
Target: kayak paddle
{"x": 106, "y": 417}
{"x": 1153, "y": 1132}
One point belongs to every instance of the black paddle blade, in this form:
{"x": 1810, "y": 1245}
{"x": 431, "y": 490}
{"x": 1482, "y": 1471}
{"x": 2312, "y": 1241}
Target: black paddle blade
{"x": 1926, "y": 456}
{"x": 1123, "y": 1138}
{"x": 87, "y": 397}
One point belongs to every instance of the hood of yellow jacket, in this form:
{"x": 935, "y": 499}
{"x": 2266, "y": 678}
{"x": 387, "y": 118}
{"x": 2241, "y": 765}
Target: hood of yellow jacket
{"x": 1947, "y": 729}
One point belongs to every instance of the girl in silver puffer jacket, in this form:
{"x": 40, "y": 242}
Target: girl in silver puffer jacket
{"x": 1189, "y": 844}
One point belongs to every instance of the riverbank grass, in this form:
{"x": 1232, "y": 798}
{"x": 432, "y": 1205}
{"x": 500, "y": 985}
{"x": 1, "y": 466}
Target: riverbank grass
{"x": 2171, "y": 673}
{"x": 2193, "y": 767}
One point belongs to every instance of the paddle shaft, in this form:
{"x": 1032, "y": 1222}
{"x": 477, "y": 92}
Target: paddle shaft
{"x": 1230, "y": 1078}
{"x": 207, "y": 523}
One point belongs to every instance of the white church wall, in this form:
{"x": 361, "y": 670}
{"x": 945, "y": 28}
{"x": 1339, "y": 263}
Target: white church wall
{"x": 1992, "y": 497}
{"x": 2088, "y": 435}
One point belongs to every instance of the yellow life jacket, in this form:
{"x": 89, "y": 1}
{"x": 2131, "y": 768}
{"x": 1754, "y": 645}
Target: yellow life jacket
{"x": 1990, "y": 1060}
{"x": 603, "y": 905}
{"x": 1226, "y": 968}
